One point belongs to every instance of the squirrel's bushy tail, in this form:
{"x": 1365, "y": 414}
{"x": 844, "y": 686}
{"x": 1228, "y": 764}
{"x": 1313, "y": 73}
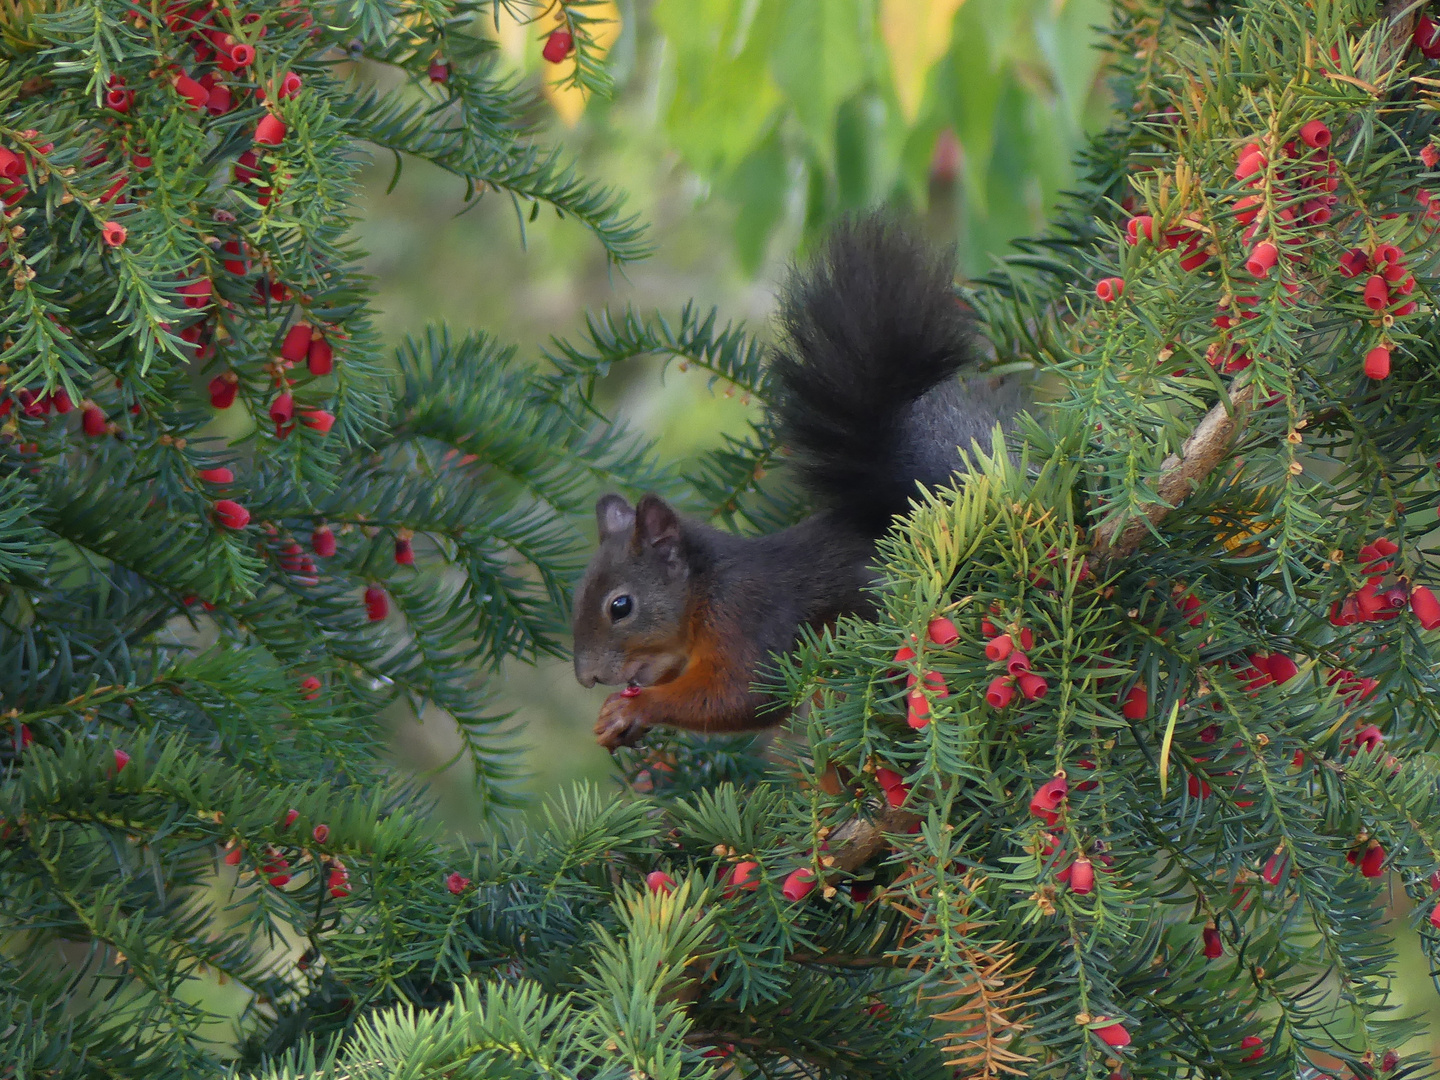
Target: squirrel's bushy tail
{"x": 872, "y": 339}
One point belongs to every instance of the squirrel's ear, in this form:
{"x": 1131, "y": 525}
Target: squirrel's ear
{"x": 614, "y": 515}
{"x": 657, "y": 525}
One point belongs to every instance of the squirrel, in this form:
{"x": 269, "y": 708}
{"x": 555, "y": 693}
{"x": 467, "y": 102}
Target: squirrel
{"x": 683, "y": 615}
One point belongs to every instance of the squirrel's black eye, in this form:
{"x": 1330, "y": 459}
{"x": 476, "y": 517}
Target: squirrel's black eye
{"x": 620, "y": 607}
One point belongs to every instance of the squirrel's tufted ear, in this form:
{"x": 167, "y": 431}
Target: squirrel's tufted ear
{"x": 657, "y": 525}
{"x": 614, "y": 515}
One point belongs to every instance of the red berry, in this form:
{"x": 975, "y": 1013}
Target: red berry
{"x": 119, "y": 99}
{"x": 339, "y": 882}
{"x": 897, "y": 794}
{"x": 888, "y": 778}
{"x": 1032, "y": 686}
{"x": 1140, "y": 227}
{"x": 233, "y": 856}
{"x": 1282, "y": 669}
{"x": 1435, "y": 916}
{"x": 92, "y": 420}
{"x": 799, "y": 884}
{"x": 322, "y": 542}
{"x": 1315, "y": 134}
{"x": 1377, "y": 363}
{"x": 1354, "y": 263}
{"x": 231, "y": 514}
{"x": 1137, "y": 703}
{"x": 1000, "y": 692}
{"x": 1427, "y": 38}
{"x": 296, "y": 343}
{"x": 1252, "y": 160}
{"x": 216, "y": 476}
{"x": 320, "y": 358}
{"x": 310, "y": 688}
{"x": 1110, "y": 288}
{"x": 191, "y": 91}
{"x": 1426, "y": 607}
{"x": 404, "y": 552}
{"x": 1377, "y": 293}
{"x": 270, "y": 131}
{"x": 282, "y": 409}
{"x": 1262, "y": 257}
{"x": 1430, "y": 155}
{"x": 241, "y": 55}
{"x": 1048, "y": 798}
{"x": 657, "y": 881}
{"x": 1082, "y": 876}
{"x": 318, "y": 419}
{"x": 1213, "y": 945}
{"x": 1372, "y": 863}
{"x": 321, "y": 833}
{"x": 942, "y": 631}
{"x": 121, "y": 760}
{"x": 1274, "y": 868}
{"x": 917, "y": 713}
{"x": 998, "y": 648}
{"x": 1113, "y": 1035}
{"x": 220, "y": 100}
{"x": 1016, "y": 663}
{"x": 1255, "y": 1041}
{"x": 197, "y": 294}
{"x": 291, "y": 816}
{"x": 113, "y": 233}
{"x": 439, "y": 71}
{"x": 279, "y": 880}
{"x": 457, "y": 883}
{"x": 377, "y": 603}
{"x": 904, "y": 653}
{"x": 238, "y": 263}
{"x": 741, "y": 877}
{"x": 558, "y": 45}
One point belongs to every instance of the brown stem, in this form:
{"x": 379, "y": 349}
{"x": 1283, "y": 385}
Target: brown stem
{"x": 858, "y": 841}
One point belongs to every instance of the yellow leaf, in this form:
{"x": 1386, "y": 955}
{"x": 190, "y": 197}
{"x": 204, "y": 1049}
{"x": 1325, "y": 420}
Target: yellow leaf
{"x": 917, "y": 33}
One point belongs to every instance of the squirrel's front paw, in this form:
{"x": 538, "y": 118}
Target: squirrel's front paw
{"x": 620, "y": 722}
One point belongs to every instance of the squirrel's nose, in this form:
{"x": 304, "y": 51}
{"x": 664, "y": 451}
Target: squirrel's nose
{"x": 583, "y": 675}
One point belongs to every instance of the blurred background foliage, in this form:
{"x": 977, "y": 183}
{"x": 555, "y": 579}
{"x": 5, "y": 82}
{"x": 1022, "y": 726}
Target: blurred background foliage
{"x": 739, "y": 129}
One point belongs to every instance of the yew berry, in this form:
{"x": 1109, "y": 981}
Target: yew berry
{"x": 1113, "y": 1035}
{"x": 1140, "y": 227}
{"x": 1318, "y": 211}
{"x": 1427, "y": 38}
{"x": 1354, "y": 263}
{"x": 291, "y": 816}
{"x": 1048, "y": 798}
{"x": 92, "y": 420}
{"x": 121, "y": 760}
{"x": 1435, "y": 916}
{"x": 247, "y": 167}
{"x": 1430, "y": 155}
{"x": 1032, "y": 686}
{"x": 339, "y": 882}
{"x": 322, "y": 542}
{"x": 1377, "y": 363}
{"x": 1017, "y": 662}
{"x": 1213, "y": 945}
{"x": 197, "y": 294}
{"x": 404, "y": 551}
{"x": 377, "y": 603}
{"x": 113, "y": 233}
{"x": 439, "y": 71}
{"x": 1110, "y": 288}
{"x": 917, "y": 710}
{"x": 11, "y": 167}
{"x": 270, "y": 131}
{"x": 119, "y": 99}
{"x": 887, "y": 778}
{"x": 1000, "y": 692}
{"x": 320, "y": 358}
{"x": 216, "y": 476}
{"x": 1377, "y": 293}
{"x": 191, "y": 91}
{"x": 897, "y": 794}
{"x": 237, "y": 262}
{"x": 1425, "y": 606}
{"x": 220, "y": 100}
{"x": 1274, "y": 868}
{"x": 1027, "y": 639}
{"x": 279, "y": 880}
{"x": 233, "y": 856}
{"x": 1281, "y": 667}
{"x": 296, "y": 343}
{"x": 456, "y": 882}
{"x": 1262, "y": 257}
{"x": 741, "y": 877}
{"x": 282, "y": 409}
{"x": 1372, "y": 863}
{"x": 1258, "y": 1043}
{"x": 1315, "y": 134}
{"x": 558, "y": 45}
{"x": 1082, "y": 876}
{"x": 903, "y": 654}
{"x": 318, "y": 419}
{"x": 942, "y": 631}
{"x": 231, "y": 514}
{"x": 998, "y": 648}
{"x": 1250, "y": 164}
{"x": 321, "y": 833}
{"x": 310, "y": 688}
{"x": 1137, "y": 703}
{"x": 799, "y": 884}
{"x": 1369, "y": 739}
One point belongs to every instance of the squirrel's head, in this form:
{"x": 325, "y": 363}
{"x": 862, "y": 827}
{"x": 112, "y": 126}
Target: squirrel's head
{"x": 630, "y": 608}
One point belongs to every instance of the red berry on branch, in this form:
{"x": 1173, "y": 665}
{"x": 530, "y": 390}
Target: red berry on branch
{"x": 1140, "y": 227}
{"x": 279, "y": 880}
{"x": 558, "y": 46}
{"x": 1109, "y": 289}
{"x": 1048, "y": 798}
{"x": 917, "y": 711}
{"x": 1016, "y": 663}
{"x": 1377, "y": 363}
{"x": 657, "y": 881}
{"x": 237, "y": 263}
{"x": 404, "y": 551}
{"x": 321, "y": 833}
{"x": 121, "y": 760}
{"x": 233, "y": 856}
{"x": 741, "y": 877}
{"x": 1032, "y": 686}
{"x": 92, "y": 420}
{"x": 1137, "y": 703}
{"x": 903, "y": 654}
{"x": 1372, "y": 863}
{"x": 439, "y": 71}
{"x": 197, "y": 294}
{"x": 291, "y": 816}
{"x": 1213, "y": 945}
{"x": 1426, "y": 607}
{"x": 1430, "y": 155}
{"x": 897, "y": 794}
{"x": 1377, "y": 293}
{"x": 322, "y": 542}
{"x": 1113, "y": 1035}
{"x": 290, "y": 85}
{"x": 241, "y": 55}
{"x": 1354, "y": 263}
{"x": 113, "y": 233}
{"x": 457, "y": 883}
{"x": 1000, "y": 692}
{"x": 1315, "y": 134}
{"x": 296, "y": 343}
{"x": 1258, "y": 1043}
{"x": 1274, "y": 868}
{"x": 1262, "y": 257}
{"x": 339, "y": 882}
{"x": 191, "y": 91}
{"x": 942, "y": 631}
{"x": 1282, "y": 669}
{"x": 223, "y": 388}
{"x": 318, "y": 419}
{"x": 220, "y": 100}
{"x": 270, "y": 131}
{"x": 377, "y": 603}
{"x": 231, "y": 514}
{"x": 320, "y": 359}
{"x": 282, "y": 409}
{"x": 799, "y": 884}
{"x": 310, "y": 688}
{"x": 888, "y": 778}
{"x": 1435, "y": 916}
{"x": 1082, "y": 876}
{"x": 217, "y": 476}
{"x": 998, "y": 648}
{"x": 12, "y": 167}
{"x": 247, "y": 167}
{"x": 119, "y": 99}
{"x": 1427, "y": 37}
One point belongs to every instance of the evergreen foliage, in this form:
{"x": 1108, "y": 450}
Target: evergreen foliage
{"x": 1167, "y": 861}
